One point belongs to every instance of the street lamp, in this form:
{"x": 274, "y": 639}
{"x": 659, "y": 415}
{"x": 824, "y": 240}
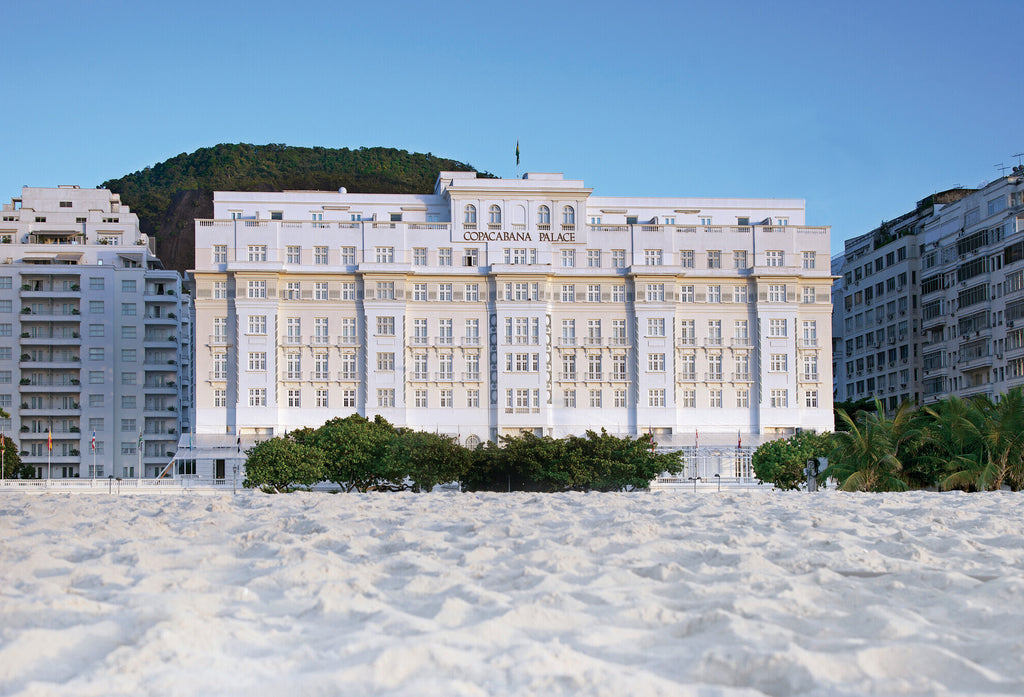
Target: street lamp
{"x": 719, "y": 478}
{"x": 695, "y": 480}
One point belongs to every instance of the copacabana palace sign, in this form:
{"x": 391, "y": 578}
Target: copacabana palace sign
{"x": 503, "y": 236}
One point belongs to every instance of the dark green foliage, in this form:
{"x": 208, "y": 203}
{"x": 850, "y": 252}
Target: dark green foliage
{"x": 427, "y": 459}
{"x": 14, "y": 468}
{"x": 782, "y": 462}
{"x": 168, "y": 196}
{"x": 852, "y": 408}
{"x": 870, "y": 454}
{"x": 280, "y": 465}
{"x": 357, "y": 452}
{"x": 598, "y": 462}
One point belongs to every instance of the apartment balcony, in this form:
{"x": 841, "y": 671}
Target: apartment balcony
{"x": 26, "y": 411}
{"x": 811, "y": 343}
{"x": 168, "y": 387}
{"x": 347, "y": 376}
{"x": 807, "y": 377}
{"x": 686, "y": 377}
{"x": 471, "y": 376}
{"x": 445, "y": 376}
{"x": 567, "y": 377}
{"x": 160, "y": 411}
{"x": 348, "y": 341}
{"x": 40, "y": 291}
{"x": 46, "y": 314}
{"x": 713, "y": 377}
{"x": 51, "y": 363}
{"x": 713, "y": 341}
{"x": 443, "y": 341}
{"x": 50, "y": 385}
{"x": 419, "y": 341}
{"x": 566, "y": 342}
{"x": 742, "y": 342}
{"x": 168, "y": 319}
{"x": 470, "y": 341}
{"x": 618, "y": 341}
{"x": 687, "y": 341}
{"x": 48, "y": 337}
{"x": 741, "y": 377}
{"x": 292, "y": 376}
{"x": 592, "y": 341}
{"x": 320, "y": 376}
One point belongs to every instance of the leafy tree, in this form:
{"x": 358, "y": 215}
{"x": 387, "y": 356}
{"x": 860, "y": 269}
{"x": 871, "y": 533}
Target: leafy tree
{"x": 868, "y": 455}
{"x": 781, "y": 462}
{"x": 598, "y": 461}
{"x": 357, "y": 453}
{"x": 281, "y": 465}
{"x": 951, "y": 445}
{"x": 424, "y": 460}
{"x": 14, "y": 468}
{"x": 852, "y": 409}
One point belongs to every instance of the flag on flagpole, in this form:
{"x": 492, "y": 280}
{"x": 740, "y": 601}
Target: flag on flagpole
{"x": 696, "y": 439}
{"x": 140, "y": 441}
{"x": 739, "y": 440}
{"x": 517, "y": 152}
{"x": 94, "y": 440}
{"x": 49, "y": 440}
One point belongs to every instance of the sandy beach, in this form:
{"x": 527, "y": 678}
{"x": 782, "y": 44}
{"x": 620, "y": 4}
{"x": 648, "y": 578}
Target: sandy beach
{"x": 669, "y": 593}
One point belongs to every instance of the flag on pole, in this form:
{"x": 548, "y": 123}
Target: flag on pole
{"x": 517, "y": 152}
{"x": 739, "y": 440}
{"x": 94, "y": 440}
{"x": 49, "y": 440}
{"x": 140, "y": 441}
{"x": 696, "y": 439}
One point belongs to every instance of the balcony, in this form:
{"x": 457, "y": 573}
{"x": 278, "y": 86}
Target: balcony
{"x": 471, "y": 341}
{"x": 444, "y": 376}
{"x": 420, "y": 341}
{"x": 742, "y": 342}
{"x": 690, "y": 376}
{"x": 687, "y": 341}
{"x": 809, "y": 343}
{"x": 473, "y": 376}
{"x": 741, "y": 377}
{"x": 713, "y": 377}
{"x": 591, "y": 341}
{"x": 567, "y": 376}
{"x": 713, "y": 341}
{"x": 808, "y": 377}
{"x": 347, "y": 376}
{"x": 566, "y": 342}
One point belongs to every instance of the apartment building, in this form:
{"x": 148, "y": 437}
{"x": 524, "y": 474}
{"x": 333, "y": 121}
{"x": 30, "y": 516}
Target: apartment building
{"x": 495, "y": 306}
{"x": 93, "y": 337}
{"x": 928, "y": 305}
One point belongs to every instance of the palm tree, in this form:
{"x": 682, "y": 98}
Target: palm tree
{"x": 951, "y": 446}
{"x": 1000, "y": 457}
{"x": 866, "y": 456}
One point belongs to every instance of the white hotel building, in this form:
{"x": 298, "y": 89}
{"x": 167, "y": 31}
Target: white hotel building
{"x": 496, "y": 306}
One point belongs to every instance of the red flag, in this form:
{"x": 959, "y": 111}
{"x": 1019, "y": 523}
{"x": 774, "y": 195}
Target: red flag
{"x": 49, "y": 440}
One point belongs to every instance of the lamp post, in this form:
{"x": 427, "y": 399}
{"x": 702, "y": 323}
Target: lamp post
{"x": 719, "y": 478}
{"x": 234, "y": 480}
{"x": 695, "y": 480}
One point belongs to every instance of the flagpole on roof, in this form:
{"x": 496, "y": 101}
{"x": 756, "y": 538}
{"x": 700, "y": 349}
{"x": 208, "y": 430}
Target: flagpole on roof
{"x": 517, "y": 158}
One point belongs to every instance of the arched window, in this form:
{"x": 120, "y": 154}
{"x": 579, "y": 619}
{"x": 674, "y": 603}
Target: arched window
{"x": 470, "y": 213}
{"x": 495, "y": 212}
{"x": 543, "y": 215}
{"x": 472, "y": 442}
{"x": 568, "y": 216}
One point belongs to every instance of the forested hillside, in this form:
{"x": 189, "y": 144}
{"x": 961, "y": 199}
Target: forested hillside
{"x": 168, "y": 196}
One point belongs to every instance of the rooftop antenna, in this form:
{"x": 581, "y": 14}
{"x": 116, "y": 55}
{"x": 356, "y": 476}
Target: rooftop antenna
{"x": 1002, "y": 168}
{"x": 1018, "y": 156}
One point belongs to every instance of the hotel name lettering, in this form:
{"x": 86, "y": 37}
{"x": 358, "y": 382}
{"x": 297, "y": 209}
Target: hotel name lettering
{"x": 480, "y": 235}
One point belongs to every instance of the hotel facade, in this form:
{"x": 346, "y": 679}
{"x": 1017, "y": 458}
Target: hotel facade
{"x": 495, "y": 306}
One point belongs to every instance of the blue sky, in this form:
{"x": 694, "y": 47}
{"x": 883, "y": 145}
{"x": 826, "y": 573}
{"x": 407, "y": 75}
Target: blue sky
{"x": 859, "y": 108}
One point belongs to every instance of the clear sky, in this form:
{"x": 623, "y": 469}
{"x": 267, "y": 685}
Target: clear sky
{"x": 860, "y": 108}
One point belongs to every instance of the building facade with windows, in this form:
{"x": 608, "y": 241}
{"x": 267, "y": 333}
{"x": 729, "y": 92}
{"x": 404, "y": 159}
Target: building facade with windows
{"x": 931, "y": 304}
{"x": 494, "y": 306}
{"x": 92, "y": 337}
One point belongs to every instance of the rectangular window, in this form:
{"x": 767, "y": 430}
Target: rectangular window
{"x": 652, "y": 257}
{"x": 128, "y": 309}
{"x": 444, "y": 256}
{"x": 655, "y": 292}
{"x": 257, "y": 252}
{"x": 385, "y": 397}
{"x": 386, "y": 361}
{"x": 385, "y": 290}
{"x": 568, "y": 258}
{"x": 321, "y": 291}
{"x": 715, "y": 399}
{"x": 714, "y": 259}
{"x": 686, "y": 294}
{"x": 348, "y": 256}
{"x": 619, "y": 258}
{"x": 739, "y": 259}
{"x": 96, "y": 377}
{"x": 419, "y": 256}
{"x": 257, "y": 360}
{"x": 743, "y": 398}
{"x": 220, "y": 254}
{"x": 808, "y": 295}
{"x": 811, "y": 399}
{"x": 568, "y": 293}
{"x": 777, "y": 363}
{"x": 321, "y": 330}
{"x": 256, "y": 289}
{"x": 385, "y": 326}
{"x": 656, "y": 362}
{"x": 655, "y": 326}
{"x": 128, "y": 286}
{"x": 258, "y": 324}
{"x": 320, "y": 255}
{"x": 220, "y": 398}
{"x": 779, "y": 398}
{"x": 656, "y": 397}
{"x": 776, "y": 327}
{"x": 294, "y": 398}
{"x": 775, "y": 257}
{"x": 294, "y": 254}
{"x": 128, "y": 425}
{"x": 444, "y": 292}
{"x": 322, "y": 399}
{"x": 96, "y": 353}
{"x": 714, "y": 294}
{"x": 385, "y": 255}
{"x": 95, "y": 307}
{"x": 257, "y": 396}
{"x": 686, "y": 258}
{"x": 569, "y": 399}
{"x": 472, "y": 398}
{"x": 593, "y": 293}
{"x": 594, "y": 258}
{"x": 776, "y": 293}
{"x": 472, "y": 292}
{"x": 96, "y": 330}
{"x": 809, "y": 259}
{"x": 619, "y": 293}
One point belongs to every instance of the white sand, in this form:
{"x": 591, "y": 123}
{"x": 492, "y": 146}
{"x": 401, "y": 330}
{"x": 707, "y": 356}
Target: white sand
{"x": 671, "y": 593}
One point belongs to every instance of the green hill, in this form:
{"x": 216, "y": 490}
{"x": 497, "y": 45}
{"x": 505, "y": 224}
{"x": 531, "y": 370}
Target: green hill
{"x": 168, "y": 196}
